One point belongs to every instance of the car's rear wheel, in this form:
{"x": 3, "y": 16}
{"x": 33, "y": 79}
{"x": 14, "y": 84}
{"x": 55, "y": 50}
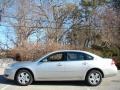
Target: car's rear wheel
{"x": 94, "y": 78}
{"x": 24, "y": 77}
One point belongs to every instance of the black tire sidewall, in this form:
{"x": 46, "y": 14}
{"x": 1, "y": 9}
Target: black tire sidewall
{"x": 87, "y": 78}
{"x": 26, "y": 71}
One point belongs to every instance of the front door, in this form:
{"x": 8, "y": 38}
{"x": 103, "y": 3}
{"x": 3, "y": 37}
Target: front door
{"x": 51, "y": 68}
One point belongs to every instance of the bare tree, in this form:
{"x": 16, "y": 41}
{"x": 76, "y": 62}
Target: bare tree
{"x": 56, "y": 16}
{"x": 23, "y": 19}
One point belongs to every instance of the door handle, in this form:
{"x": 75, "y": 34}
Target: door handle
{"x": 84, "y": 63}
{"x": 59, "y": 64}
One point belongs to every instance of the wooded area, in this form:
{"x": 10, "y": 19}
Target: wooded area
{"x": 36, "y": 27}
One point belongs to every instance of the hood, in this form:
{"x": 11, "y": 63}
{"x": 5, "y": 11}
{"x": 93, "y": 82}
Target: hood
{"x": 23, "y": 63}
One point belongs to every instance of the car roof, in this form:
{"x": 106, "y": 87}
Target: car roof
{"x": 94, "y": 55}
{"x": 70, "y": 51}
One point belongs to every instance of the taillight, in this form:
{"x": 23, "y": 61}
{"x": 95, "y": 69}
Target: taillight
{"x": 113, "y": 62}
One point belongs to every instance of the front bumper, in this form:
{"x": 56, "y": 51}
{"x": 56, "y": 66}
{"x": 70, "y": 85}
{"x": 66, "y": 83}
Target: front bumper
{"x": 9, "y": 73}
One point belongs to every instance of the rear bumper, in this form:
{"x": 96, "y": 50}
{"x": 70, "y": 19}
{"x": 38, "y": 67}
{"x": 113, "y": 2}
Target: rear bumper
{"x": 111, "y": 71}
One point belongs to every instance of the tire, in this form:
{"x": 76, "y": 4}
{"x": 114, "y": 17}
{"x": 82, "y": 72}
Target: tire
{"x": 24, "y": 78}
{"x": 94, "y": 78}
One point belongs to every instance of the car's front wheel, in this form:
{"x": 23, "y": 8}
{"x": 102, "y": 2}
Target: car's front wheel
{"x": 24, "y": 77}
{"x": 94, "y": 78}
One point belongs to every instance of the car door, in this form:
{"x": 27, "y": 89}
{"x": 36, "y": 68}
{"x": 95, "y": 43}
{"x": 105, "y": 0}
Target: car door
{"x": 51, "y": 67}
{"x": 76, "y": 65}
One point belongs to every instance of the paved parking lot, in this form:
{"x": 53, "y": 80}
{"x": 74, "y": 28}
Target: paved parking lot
{"x": 112, "y": 83}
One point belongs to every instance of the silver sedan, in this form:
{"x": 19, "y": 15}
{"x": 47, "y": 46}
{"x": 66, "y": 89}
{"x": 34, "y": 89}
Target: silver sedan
{"x": 62, "y": 65}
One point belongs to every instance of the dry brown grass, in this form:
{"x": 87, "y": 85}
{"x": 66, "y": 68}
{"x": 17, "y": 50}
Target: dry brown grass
{"x": 34, "y": 51}
{"x": 37, "y": 50}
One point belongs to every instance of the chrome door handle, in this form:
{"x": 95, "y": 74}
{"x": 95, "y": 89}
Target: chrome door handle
{"x": 59, "y": 65}
{"x": 84, "y": 63}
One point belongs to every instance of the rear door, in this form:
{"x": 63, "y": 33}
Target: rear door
{"x": 76, "y": 65}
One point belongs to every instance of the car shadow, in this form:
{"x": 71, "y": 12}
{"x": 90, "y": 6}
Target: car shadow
{"x": 60, "y": 83}
{"x": 56, "y": 83}
{"x": 5, "y": 81}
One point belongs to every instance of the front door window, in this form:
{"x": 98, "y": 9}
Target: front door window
{"x": 56, "y": 57}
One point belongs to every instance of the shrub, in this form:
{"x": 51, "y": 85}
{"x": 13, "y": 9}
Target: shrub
{"x": 35, "y": 51}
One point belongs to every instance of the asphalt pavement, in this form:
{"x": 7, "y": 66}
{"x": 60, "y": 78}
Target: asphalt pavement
{"x": 111, "y": 83}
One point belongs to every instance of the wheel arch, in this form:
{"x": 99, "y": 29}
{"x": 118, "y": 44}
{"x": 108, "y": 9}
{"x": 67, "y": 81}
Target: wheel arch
{"x": 24, "y": 69}
{"x": 95, "y": 69}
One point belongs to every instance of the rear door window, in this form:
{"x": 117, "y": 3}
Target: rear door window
{"x": 78, "y": 56}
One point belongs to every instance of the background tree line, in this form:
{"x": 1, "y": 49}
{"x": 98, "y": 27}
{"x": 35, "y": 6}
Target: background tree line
{"x": 36, "y": 27}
